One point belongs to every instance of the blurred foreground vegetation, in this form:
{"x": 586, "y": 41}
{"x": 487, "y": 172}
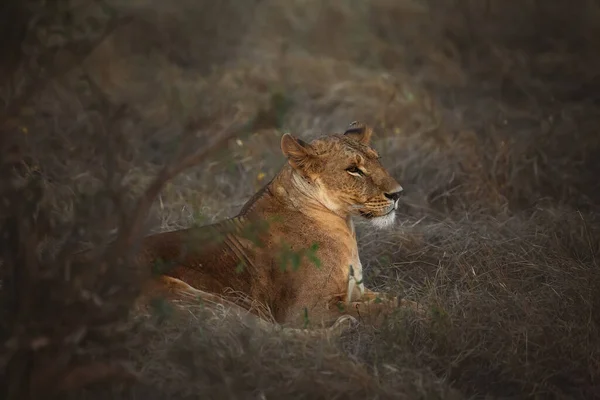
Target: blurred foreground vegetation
{"x": 486, "y": 111}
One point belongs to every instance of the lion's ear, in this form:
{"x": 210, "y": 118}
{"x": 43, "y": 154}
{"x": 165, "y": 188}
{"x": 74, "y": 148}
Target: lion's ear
{"x": 359, "y": 132}
{"x": 300, "y": 154}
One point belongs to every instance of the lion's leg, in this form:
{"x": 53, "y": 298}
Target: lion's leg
{"x": 372, "y": 308}
{"x": 175, "y": 289}
{"x": 342, "y": 322}
{"x": 376, "y": 297}
{"x": 170, "y": 288}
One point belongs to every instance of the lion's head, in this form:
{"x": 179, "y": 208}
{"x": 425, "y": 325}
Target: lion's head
{"x": 344, "y": 174}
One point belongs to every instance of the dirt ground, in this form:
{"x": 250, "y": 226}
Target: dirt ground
{"x": 487, "y": 112}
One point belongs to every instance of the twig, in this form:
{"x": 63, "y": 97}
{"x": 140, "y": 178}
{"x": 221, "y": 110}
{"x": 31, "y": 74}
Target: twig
{"x": 132, "y": 229}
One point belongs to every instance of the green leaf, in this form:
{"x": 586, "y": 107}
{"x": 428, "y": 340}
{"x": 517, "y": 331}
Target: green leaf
{"x": 276, "y": 218}
{"x": 240, "y": 267}
{"x": 295, "y": 258}
{"x": 284, "y": 258}
{"x": 161, "y": 308}
{"x": 159, "y": 266}
{"x": 306, "y": 320}
{"x": 314, "y": 259}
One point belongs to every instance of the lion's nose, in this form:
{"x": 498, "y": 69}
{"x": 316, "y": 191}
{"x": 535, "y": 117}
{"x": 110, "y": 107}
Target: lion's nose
{"x": 394, "y": 196}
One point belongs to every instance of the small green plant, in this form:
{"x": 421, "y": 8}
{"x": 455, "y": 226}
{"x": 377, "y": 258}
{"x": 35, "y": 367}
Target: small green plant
{"x": 159, "y": 266}
{"x": 305, "y": 317}
{"x": 280, "y": 104}
{"x": 351, "y": 275}
{"x": 254, "y": 230}
{"x": 239, "y": 268}
{"x": 311, "y": 254}
{"x": 199, "y": 218}
{"x": 294, "y": 258}
{"x": 161, "y": 309}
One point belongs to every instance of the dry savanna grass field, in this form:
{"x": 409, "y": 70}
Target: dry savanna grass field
{"x": 487, "y": 112}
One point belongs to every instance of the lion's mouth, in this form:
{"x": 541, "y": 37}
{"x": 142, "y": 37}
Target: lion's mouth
{"x": 392, "y": 209}
{"x": 370, "y": 214}
{"x": 366, "y": 214}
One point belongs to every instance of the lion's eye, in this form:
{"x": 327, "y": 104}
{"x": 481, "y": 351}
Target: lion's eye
{"x": 354, "y": 170}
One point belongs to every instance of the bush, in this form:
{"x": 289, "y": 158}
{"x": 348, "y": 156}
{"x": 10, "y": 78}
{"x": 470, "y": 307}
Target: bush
{"x": 485, "y": 111}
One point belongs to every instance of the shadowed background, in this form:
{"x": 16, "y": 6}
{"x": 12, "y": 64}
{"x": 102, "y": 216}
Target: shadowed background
{"x": 485, "y": 111}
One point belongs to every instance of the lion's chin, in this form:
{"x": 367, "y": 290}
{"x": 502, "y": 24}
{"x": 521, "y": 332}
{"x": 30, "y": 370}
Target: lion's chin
{"x": 384, "y": 221}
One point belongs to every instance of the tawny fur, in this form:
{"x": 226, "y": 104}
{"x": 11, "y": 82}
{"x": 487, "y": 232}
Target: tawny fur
{"x": 308, "y": 205}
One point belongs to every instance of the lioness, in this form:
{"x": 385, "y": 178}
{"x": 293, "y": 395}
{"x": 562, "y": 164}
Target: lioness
{"x": 292, "y": 247}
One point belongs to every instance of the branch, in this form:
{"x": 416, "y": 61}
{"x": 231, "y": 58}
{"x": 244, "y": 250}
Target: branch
{"x": 132, "y": 229}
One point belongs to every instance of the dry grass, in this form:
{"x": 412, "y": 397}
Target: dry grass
{"x": 487, "y": 112}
